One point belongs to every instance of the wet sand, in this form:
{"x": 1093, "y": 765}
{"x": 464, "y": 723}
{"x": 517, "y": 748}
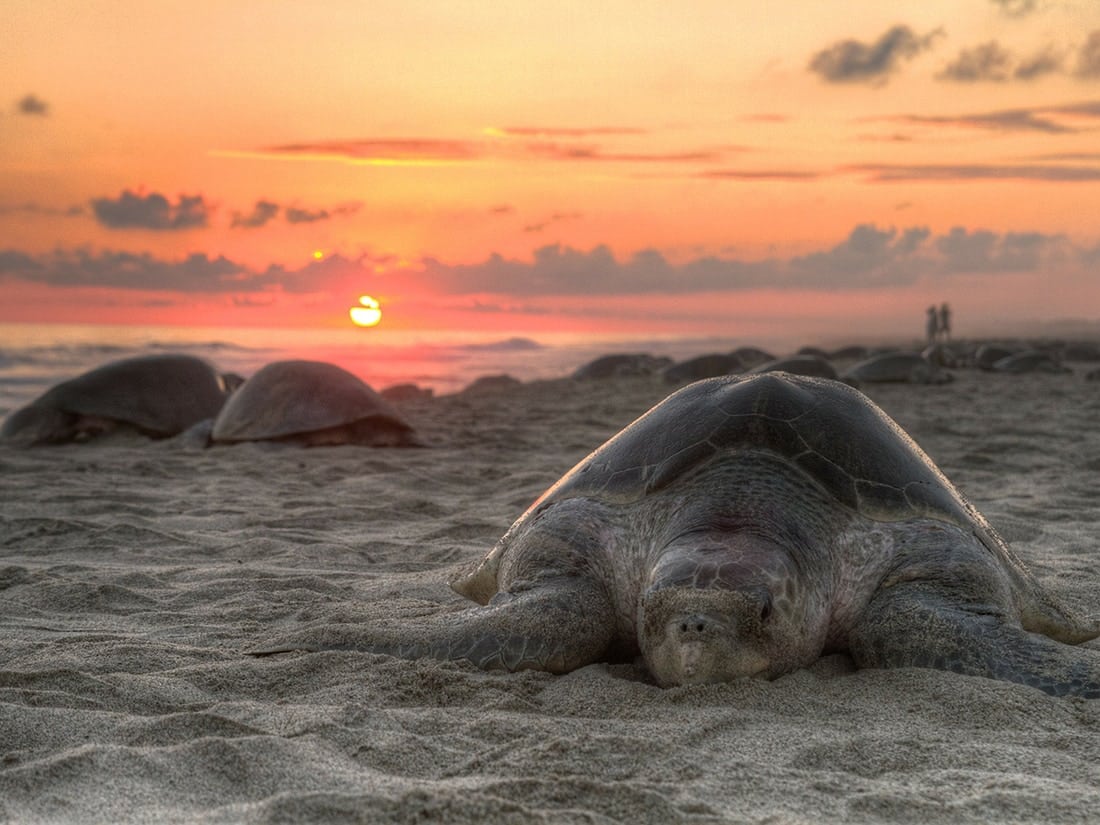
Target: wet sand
{"x": 134, "y": 574}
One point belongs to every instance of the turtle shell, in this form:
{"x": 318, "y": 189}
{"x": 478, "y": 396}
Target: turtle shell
{"x": 807, "y": 364}
{"x": 833, "y": 432}
{"x": 897, "y": 367}
{"x": 291, "y": 398}
{"x": 160, "y": 395}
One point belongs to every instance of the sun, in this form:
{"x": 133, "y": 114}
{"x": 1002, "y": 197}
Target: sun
{"x": 368, "y": 314}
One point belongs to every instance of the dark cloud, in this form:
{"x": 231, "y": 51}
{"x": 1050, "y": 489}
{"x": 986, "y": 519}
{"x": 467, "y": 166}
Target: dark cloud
{"x": 18, "y": 264}
{"x": 197, "y": 273}
{"x": 1014, "y": 120}
{"x": 266, "y": 211}
{"x": 1048, "y": 119}
{"x": 1088, "y": 58}
{"x": 32, "y": 105}
{"x": 1047, "y": 61}
{"x": 1017, "y": 8}
{"x": 852, "y": 61}
{"x": 989, "y": 61}
{"x": 557, "y": 270}
{"x": 870, "y": 257}
{"x": 557, "y": 217}
{"x": 992, "y": 62}
{"x": 296, "y": 214}
{"x": 982, "y": 251}
{"x": 1091, "y": 257}
{"x": 153, "y": 211}
{"x": 32, "y": 208}
{"x": 262, "y": 213}
{"x": 1090, "y": 109}
{"x": 892, "y": 173}
{"x": 316, "y": 276}
{"x": 127, "y": 270}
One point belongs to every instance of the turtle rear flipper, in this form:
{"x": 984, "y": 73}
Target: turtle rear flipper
{"x": 558, "y": 626}
{"x": 923, "y": 624}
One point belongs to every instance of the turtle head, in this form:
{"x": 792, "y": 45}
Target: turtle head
{"x": 33, "y": 425}
{"x": 718, "y": 612}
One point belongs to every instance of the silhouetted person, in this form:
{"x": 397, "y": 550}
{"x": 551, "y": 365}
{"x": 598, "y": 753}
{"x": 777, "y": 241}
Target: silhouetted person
{"x": 932, "y": 326}
{"x": 945, "y": 322}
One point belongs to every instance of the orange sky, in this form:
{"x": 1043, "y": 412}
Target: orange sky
{"x": 705, "y": 167}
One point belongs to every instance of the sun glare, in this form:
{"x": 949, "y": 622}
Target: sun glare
{"x": 368, "y": 314}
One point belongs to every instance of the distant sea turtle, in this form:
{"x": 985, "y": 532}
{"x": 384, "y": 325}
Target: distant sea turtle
{"x": 310, "y": 403}
{"x": 809, "y": 365}
{"x": 1081, "y": 351}
{"x": 491, "y": 384}
{"x": 944, "y": 355}
{"x": 752, "y": 356}
{"x": 157, "y": 395}
{"x": 854, "y": 352}
{"x": 619, "y": 365}
{"x": 1031, "y": 360}
{"x": 743, "y": 527}
{"x": 703, "y": 366}
{"x": 989, "y": 354}
{"x": 897, "y": 367}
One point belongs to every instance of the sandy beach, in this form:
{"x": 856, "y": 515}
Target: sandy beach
{"x": 135, "y": 574}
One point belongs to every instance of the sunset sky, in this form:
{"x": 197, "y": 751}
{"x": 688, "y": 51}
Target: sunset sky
{"x": 696, "y": 167}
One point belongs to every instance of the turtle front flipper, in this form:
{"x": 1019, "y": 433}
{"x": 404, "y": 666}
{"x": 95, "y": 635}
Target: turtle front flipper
{"x": 925, "y": 624}
{"x": 558, "y": 626}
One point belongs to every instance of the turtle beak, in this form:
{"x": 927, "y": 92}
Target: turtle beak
{"x": 691, "y": 657}
{"x": 706, "y": 650}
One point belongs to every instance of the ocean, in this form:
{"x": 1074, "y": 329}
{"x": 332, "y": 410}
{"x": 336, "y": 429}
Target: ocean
{"x": 34, "y": 357}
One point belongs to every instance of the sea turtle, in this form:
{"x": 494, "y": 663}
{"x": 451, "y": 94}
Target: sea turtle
{"x": 951, "y": 356}
{"x": 1081, "y": 351}
{"x": 310, "y": 403}
{"x": 809, "y": 365}
{"x": 896, "y": 367}
{"x": 1031, "y": 360}
{"x": 157, "y": 395}
{"x": 502, "y": 382}
{"x": 853, "y": 352}
{"x": 743, "y": 527}
{"x": 989, "y": 354}
{"x": 753, "y": 356}
{"x": 618, "y": 365}
{"x": 703, "y": 366}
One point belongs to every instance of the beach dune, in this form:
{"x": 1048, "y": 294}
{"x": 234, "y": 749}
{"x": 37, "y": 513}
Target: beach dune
{"x": 135, "y": 574}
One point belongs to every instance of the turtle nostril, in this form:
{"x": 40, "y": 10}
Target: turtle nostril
{"x": 693, "y": 625}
